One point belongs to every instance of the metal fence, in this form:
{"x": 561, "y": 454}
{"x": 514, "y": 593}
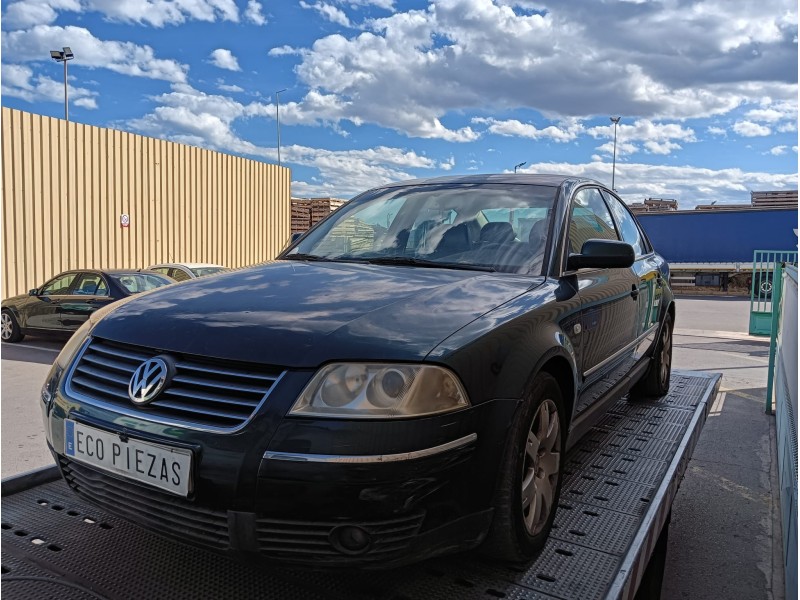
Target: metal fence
{"x": 77, "y": 196}
{"x": 765, "y": 263}
{"x": 782, "y": 395}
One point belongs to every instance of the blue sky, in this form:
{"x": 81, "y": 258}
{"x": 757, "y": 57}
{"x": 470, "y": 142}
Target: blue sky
{"x": 385, "y": 90}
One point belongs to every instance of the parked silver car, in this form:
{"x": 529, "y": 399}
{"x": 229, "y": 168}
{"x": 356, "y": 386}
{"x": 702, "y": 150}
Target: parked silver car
{"x": 184, "y": 271}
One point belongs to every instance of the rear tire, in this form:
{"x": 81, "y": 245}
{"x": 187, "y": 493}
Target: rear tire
{"x": 9, "y": 328}
{"x": 655, "y": 381}
{"x": 529, "y": 484}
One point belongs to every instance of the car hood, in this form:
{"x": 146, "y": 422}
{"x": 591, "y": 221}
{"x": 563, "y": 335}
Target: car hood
{"x": 300, "y": 314}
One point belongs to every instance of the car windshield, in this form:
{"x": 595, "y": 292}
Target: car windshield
{"x": 497, "y": 227}
{"x": 203, "y": 271}
{"x": 135, "y": 283}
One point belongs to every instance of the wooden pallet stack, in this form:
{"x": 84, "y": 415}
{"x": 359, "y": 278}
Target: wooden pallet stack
{"x": 307, "y": 212}
{"x": 301, "y": 215}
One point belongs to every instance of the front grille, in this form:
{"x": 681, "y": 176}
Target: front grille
{"x": 310, "y": 540}
{"x": 209, "y": 394}
{"x": 155, "y": 510}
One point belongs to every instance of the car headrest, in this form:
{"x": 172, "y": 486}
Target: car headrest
{"x": 538, "y": 234}
{"x": 498, "y": 233}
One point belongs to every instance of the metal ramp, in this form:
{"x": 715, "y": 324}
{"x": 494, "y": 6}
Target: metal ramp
{"x": 620, "y": 484}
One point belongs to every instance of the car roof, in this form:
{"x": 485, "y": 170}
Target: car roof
{"x": 189, "y": 265}
{"x": 551, "y": 180}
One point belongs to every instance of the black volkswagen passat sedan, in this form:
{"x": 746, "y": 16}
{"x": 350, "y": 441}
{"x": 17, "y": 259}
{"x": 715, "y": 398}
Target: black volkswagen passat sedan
{"x": 403, "y": 381}
{"x": 64, "y": 303}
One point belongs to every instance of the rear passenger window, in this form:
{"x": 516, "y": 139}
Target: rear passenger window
{"x": 178, "y": 275}
{"x": 590, "y": 220}
{"x": 629, "y": 229}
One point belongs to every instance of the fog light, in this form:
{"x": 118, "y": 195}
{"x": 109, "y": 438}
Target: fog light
{"x": 350, "y": 539}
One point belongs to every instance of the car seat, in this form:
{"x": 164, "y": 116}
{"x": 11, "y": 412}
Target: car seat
{"x": 497, "y": 233}
{"x": 454, "y": 241}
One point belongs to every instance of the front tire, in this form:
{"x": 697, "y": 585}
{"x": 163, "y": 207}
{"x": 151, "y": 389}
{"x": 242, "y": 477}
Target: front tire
{"x": 9, "y": 328}
{"x": 530, "y": 478}
{"x": 655, "y": 381}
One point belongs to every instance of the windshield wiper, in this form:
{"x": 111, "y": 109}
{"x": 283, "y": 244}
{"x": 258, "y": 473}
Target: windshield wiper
{"x": 301, "y": 256}
{"x": 422, "y": 262}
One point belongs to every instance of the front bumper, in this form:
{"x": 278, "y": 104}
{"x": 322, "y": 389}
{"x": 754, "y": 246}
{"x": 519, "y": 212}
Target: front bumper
{"x": 310, "y": 491}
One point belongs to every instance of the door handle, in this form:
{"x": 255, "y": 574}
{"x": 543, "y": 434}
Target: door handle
{"x": 634, "y": 291}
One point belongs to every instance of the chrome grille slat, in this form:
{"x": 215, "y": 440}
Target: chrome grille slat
{"x": 227, "y": 373}
{"x": 95, "y": 385}
{"x": 115, "y": 351}
{"x": 102, "y": 361}
{"x": 199, "y": 394}
{"x": 205, "y": 412}
{"x": 237, "y": 387}
{"x": 90, "y": 372}
{"x": 216, "y": 398}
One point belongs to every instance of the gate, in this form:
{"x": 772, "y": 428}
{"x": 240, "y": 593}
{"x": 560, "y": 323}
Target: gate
{"x": 765, "y": 263}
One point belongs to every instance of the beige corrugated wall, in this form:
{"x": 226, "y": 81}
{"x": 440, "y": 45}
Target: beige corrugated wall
{"x": 65, "y": 186}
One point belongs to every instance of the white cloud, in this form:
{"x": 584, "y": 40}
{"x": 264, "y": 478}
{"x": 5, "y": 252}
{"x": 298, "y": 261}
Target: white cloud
{"x": 655, "y": 138}
{"x": 126, "y": 58}
{"x": 253, "y": 13}
{"x": 410, "y": 70}
{"x": 688, "y": 184}
{"x": 157, "y": 13}
{"x": 224, "y": 59}
{"x": 717, "y": 131}
{"x": 30, "y": 13}
{"x": 221, "y": 85}
{"x": 447, "y": 165}
{"x": 777, "y": 150}
{"x": 514, "y": 128}
{"x": 328, "y": 12}
{"x": 20, "y": 82}
{"x": 750, "y": 129}
{"x": 193, "y": 117}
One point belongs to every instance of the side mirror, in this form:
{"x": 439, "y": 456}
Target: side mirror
{"x": 33, "y": 292}
{"x": 602, "y": 254}
{"x": 295, "y": 236}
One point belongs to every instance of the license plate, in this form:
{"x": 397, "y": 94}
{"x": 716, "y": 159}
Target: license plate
{"x": 156, "y": 465}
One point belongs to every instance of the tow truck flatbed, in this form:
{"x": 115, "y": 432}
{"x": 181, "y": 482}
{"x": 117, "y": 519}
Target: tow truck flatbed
{"x": 621, "y": 480}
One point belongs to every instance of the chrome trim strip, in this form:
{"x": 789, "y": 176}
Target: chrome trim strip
{"x": 620, "y": 352}
{"x": 371, "y": 458}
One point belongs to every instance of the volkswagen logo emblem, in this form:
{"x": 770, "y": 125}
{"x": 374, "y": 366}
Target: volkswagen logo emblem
{"x": 148, "y": 380}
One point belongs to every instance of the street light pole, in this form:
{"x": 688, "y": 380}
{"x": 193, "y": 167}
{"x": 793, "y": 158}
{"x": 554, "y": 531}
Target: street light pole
{"x": 64, "y": 55}
{"x": 614, "y": 120}
{"x": 278, "y": 120}
{"x": 522, "y": 164}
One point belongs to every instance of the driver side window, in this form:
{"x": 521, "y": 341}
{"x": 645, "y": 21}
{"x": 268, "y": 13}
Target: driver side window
{"x": 59, "y": 285}
{"x": 590, "y": 219}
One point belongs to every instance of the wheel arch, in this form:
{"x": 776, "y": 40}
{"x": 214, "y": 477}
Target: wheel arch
{"x": 559, "y": 365}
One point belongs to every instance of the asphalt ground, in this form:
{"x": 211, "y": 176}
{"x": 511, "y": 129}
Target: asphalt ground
{"x": 725, "y": 536}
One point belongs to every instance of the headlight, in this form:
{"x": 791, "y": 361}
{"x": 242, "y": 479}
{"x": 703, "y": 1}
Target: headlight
{"x": 379, "y": 391}
{"x": 63, "y": 359}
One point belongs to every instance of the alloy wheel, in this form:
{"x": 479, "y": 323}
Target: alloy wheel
{"x": 6, "y": 326}
{"x": 540, "y": 467}
{"x": 666, "y": 354}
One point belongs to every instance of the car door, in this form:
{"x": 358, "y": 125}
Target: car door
{"x": 45, "y": 310}
{"x": 609, "y": 302}
{"x": 646, "y": 270}
{"x": 87, "y": 294}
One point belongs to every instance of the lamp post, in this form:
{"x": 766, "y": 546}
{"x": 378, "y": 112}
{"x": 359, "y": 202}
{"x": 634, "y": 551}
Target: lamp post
{"x": 615, "y": 121}
{"x": 522, "y": 164}
{"x": 63, "y": 55}
{"x": 278, "y": 120}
